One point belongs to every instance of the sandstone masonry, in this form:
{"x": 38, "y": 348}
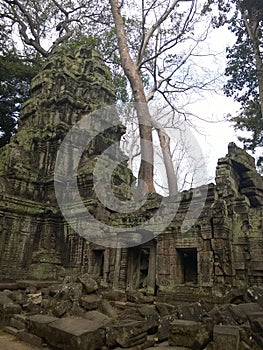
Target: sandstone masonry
{"x": 223, "y": 248}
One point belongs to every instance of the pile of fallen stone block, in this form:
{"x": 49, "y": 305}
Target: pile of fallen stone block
{"x": 78, "y": 315}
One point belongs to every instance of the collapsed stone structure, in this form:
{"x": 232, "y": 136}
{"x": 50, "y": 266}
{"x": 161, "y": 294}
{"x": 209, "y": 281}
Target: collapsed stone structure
{"x": 223, "y": 248}
{"x": 77, "y": 315}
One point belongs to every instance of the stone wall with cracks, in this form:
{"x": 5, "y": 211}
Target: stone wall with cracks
{"x": 222, "y": 249}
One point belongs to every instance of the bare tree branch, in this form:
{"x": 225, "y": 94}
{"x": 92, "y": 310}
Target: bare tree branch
{"x": 151, "y": 31}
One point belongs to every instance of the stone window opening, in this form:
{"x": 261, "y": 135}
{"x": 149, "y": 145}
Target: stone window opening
{"x": 188, "y": 265}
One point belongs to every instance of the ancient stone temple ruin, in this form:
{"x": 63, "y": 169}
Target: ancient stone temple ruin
{"x": 224, "y": 247}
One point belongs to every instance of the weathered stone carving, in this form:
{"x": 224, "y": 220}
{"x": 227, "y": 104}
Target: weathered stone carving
{"x": 223, "y": 249}
{"x": 34, "y": 239}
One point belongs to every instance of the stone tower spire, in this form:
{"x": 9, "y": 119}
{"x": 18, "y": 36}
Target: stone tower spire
{"x": 32, "y": 229}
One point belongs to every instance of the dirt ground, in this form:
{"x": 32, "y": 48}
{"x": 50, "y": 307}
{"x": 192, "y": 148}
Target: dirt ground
{"x": 9, "y": 342}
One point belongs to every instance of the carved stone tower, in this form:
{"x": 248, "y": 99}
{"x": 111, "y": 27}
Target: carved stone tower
{"x": 33, "y": 238}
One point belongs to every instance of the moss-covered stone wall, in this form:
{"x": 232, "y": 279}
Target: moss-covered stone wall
{"x": 223, "y": 248}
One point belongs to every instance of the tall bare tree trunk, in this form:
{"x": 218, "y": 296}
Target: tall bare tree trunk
{"x": 144, "y": 117}
{"x": 167, "y": 158}
{"x": 259, "y": 69}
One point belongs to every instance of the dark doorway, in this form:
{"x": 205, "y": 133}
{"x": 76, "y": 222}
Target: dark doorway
{"x": 188, "y": 265}
{"x": 144, "y": 267}
{"x": 141, "y": 270}
{"x": 99, "y": 262}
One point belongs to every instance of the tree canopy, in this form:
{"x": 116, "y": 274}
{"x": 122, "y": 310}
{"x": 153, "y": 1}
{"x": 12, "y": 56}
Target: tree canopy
{"x": 149, "y": 44}
{"x": 244, "y": 69}
{"x": 15, "y": 77}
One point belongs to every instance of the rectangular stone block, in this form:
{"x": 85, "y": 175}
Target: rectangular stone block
{"x": 239, "y": 265}
{"x": 18, "y": 321}
{"x": 226, "y": 337}
{"x": 90, "y": 302}
{"x": 248, "y": 308}
{"x": 183, "y": 333}
{"x": 8, "y": 285}
{"x": 205, "y": 268}
{"x": 220, "y": 232}
{"x": 76, "y": 333}
{"x": 127, "y": 334}
{"x": 219, "y": 244}
{"x": 37, "y": 324}
{"x": 256, "y": 321}
{"x": 30, "y": 338}
{"x": 11, "y": 330}
{"x": 257, "y": 265}
{"x": 256, "y": 254}
{"x": 206, "y": 233}
{"x": 7, "y": 309}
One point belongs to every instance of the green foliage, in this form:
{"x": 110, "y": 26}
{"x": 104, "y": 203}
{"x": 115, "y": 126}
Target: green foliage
{"x": 79, "y": 38}
{"x": 120, "y": 83}
{"x": 242, "y": 84}
{"x": 241, "y": 71}
{"x": 15, "y": 78}
{"x": 242, "y": 81}
{"x": 250, "y": 120}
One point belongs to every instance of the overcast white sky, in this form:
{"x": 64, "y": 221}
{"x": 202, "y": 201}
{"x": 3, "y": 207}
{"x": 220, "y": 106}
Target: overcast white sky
{"x": 215, "y": 106}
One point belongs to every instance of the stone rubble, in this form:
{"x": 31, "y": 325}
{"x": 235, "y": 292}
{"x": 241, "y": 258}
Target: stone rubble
{"x": 132, "y": 325}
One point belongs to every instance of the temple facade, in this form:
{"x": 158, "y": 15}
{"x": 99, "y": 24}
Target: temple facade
{"x": 222, "y": 248}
